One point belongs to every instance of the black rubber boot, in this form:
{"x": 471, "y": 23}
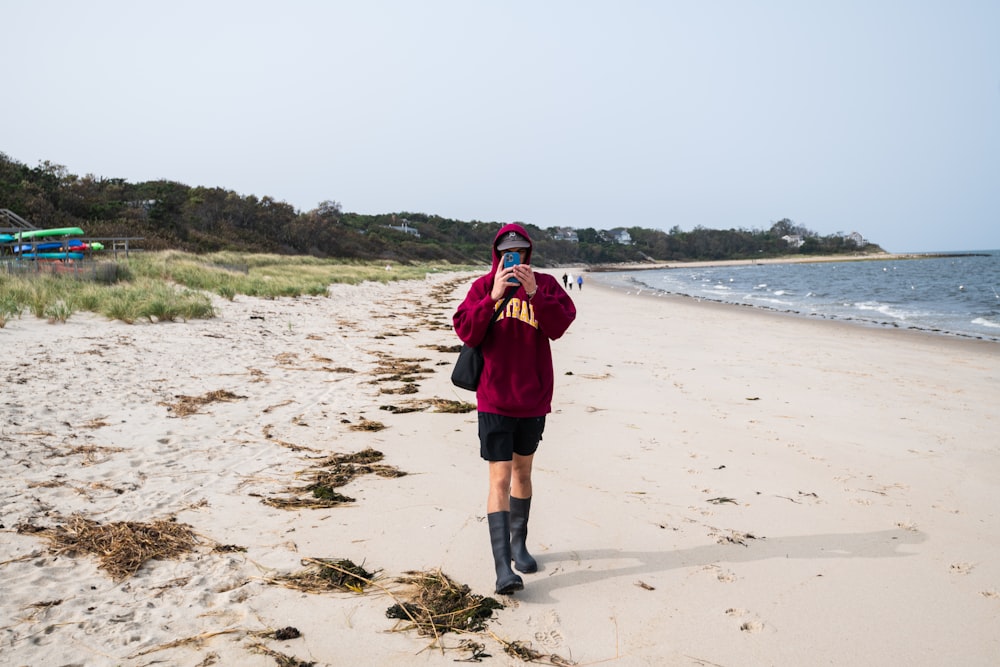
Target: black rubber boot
{"x": 519, "y": 509}
{"x": 507, "y": 581}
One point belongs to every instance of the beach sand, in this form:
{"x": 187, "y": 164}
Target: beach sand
{"x": 716, "y": 486}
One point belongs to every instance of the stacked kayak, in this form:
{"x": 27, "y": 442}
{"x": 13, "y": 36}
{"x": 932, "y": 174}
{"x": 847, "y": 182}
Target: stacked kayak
{"x": 50, "y": 244}
{"x": 52, "y": 255}
{"x": 75, "y": 245}
{"x": 42, "y": 233}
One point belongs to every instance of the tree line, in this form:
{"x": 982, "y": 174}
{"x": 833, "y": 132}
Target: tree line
{"x": 199, "y": 219}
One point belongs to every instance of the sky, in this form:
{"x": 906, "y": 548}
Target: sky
{"x": 875, "y": 116}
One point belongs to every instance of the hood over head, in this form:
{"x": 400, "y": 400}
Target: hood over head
{"x": 503, "y": 238}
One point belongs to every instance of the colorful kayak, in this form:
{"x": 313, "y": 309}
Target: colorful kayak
{"x": 6, "y": 238}
{"x": 52, "y": 255}
{"x": 75, "y": 245}
{"x": 71, "y": 244}
{"x": 41, "y": 233}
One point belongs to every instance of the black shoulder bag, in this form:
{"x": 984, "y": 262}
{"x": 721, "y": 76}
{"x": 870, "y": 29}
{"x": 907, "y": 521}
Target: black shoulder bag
{"x": 469, "y": 366}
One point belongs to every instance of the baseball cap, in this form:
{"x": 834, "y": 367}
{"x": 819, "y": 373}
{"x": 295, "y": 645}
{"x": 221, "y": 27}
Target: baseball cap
{"x": 513, "y": 240}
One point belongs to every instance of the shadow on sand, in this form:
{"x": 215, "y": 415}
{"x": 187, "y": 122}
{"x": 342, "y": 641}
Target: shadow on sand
{"x": 879, "y": 544}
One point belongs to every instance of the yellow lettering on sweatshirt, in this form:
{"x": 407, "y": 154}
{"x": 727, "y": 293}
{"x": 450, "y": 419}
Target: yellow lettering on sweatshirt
{"x": 520, "y": 310}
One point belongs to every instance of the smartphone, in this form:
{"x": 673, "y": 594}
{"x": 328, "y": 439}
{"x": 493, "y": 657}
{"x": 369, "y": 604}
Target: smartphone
{"x": 512, "y": 259}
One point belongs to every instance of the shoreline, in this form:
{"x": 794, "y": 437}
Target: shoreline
{"x": 713, "y": 483}
{"x": 850, "y": 319}
{"x": 872, "y": 325}
{"x": 789, "y": 259}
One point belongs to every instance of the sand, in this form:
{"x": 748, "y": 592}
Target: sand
{"x": 716, "y": 486}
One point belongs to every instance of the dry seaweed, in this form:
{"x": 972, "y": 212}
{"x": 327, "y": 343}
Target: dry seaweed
{"x": 401, "y": 410}
{"x": 280, "y": 658}
{"x": 90, "y": 452}
{"x": 408, "y": 388}
{"x": 433, "y": 604}
{"x": 439, "y": 405}
{"x": 450, "y": 406}
{"x": 188, "y": 405}
{"x": 523, "y": 652}
{"x": 367, "y": 425}
{"x": 123, "y": 546}
{"x": 331, "y": 473}
{"x": 364, "y": 457}
{"x": 322, "y": 497}
{"x": 329, "y": 574}
{"x": 196, "y": 639}
{"x": 447, "y": 349}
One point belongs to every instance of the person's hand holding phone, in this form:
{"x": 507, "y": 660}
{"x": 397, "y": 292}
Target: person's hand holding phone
{"x": 511, "y": 273}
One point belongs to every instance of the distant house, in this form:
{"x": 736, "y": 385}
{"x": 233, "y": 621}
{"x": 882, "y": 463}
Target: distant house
{"x": 857, "y": 239}
{"x": 621, "y": 235}
{"x": 565, "y": 234}
{"x": 405, "y": 228}
{"x": 794, "y": 240}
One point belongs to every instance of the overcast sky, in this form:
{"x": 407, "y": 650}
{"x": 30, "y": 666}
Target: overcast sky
{"x": 876, "y": 116}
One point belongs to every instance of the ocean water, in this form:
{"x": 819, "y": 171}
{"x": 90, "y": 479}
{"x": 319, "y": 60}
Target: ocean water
{"x": 956, "y": 294}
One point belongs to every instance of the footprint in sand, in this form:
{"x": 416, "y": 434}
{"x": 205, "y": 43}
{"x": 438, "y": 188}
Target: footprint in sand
{"x": 726, "y": 577}
{"x": 549, "y": 636}
{"x": 751, "y": 626}
{"x": 960, "y": 568}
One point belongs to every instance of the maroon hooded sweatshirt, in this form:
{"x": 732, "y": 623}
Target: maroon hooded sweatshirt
{"x": 517, "y": 374}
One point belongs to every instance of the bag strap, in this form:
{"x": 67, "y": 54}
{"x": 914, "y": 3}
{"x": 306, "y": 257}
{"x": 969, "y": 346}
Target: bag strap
{"x": 496, "y": 313}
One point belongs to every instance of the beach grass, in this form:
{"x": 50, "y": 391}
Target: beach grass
{"x": 172, "y": 285}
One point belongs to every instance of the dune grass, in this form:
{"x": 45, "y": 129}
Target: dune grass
{"x": 172, "y": 285}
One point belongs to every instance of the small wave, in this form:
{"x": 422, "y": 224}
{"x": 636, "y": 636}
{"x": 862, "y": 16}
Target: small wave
{"x": 983, "y": 322}
{"x": 763, "y": 299}
{"x": 882, "y": 308}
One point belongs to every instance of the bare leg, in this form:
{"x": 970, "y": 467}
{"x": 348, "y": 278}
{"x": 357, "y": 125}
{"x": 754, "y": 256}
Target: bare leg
{"x": 500, "y": 480}
{"x": 521, "y": 476}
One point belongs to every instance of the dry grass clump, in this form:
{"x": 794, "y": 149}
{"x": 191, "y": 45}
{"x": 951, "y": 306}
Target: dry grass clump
{"x": 433, "y": 604}
{"x": 188, "y": 405}
{"x": 323, "y": 575}
{"x": 332, "y": 473}
{"x": 123, "y": 546}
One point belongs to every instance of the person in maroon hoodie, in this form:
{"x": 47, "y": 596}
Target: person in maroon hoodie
{"x": 515, "y": 388}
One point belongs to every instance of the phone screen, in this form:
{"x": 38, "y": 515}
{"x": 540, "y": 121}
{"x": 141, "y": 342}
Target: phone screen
{"x": 512, "y": 259}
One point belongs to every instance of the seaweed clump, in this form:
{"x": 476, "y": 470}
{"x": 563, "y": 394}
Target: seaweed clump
{"x": 332, "y": 473}
{"x": 122, "y": 546}
{"x": 433, "y": 604}
{"x": 330, "y": 574}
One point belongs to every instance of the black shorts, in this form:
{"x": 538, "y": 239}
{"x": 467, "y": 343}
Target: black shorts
{"x": 501, "y": 437}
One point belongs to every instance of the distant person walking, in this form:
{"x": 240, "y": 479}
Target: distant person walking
{"x": 565, "y": 281}
{"x": 515, "y": 390}
{"x": 579, "y": 282}
{"x": 570, "y": 286}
